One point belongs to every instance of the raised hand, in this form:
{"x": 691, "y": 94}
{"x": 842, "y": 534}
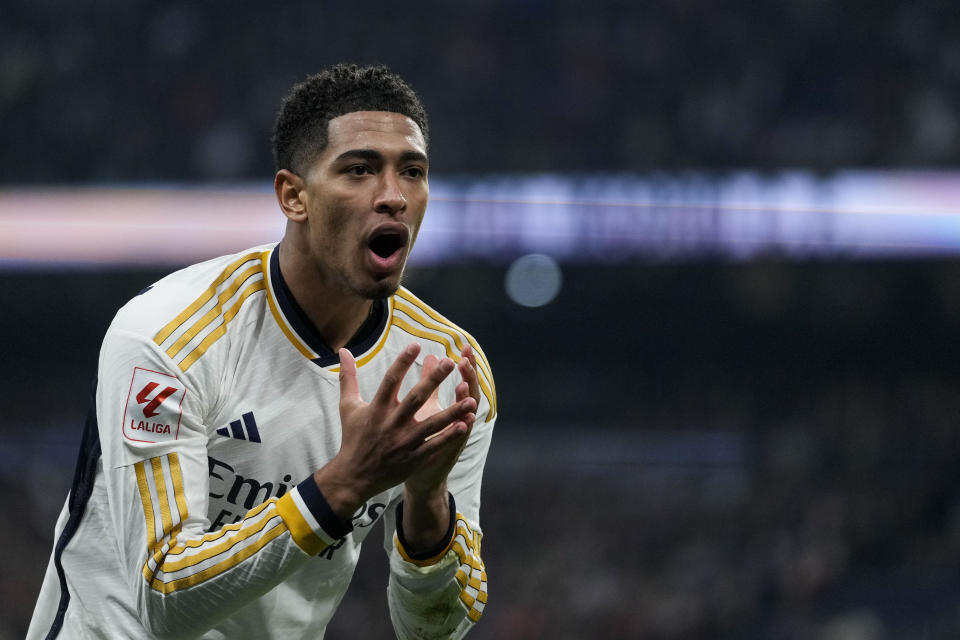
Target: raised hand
{"x": 388, "y": 439}
{"x": 433, "y": 473}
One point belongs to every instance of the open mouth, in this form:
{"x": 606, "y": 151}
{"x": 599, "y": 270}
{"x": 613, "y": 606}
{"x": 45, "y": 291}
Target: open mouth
{"x": 386, "y": 244}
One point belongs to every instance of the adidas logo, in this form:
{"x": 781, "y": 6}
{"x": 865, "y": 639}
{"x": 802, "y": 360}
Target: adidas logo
{"x": 235, "y": 430}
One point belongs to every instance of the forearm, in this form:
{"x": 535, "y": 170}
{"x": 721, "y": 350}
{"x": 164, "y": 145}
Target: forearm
{"x": 438, "y": 592}
{"x": 188, "y": 579}
{"x": 426, "y": 519}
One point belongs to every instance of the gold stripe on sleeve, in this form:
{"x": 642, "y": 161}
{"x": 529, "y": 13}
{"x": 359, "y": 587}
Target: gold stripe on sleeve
{"x": 220, "y": 331}
{"x": 184, "y": 562}
{"x": 205, "y": 297}
{"x": 426, "y": 562}
{"x": 214, "y": 311}
{"x": 178, "y": 494}
{"x": 420, "y": 304}
{"x": 471, "y": 573}
{"x": 167, "y": 557}
{"x": 165, "y": 565}
{"x": 147, "y": 504}
{"x": 216, "y": 535}
{"x": 452, "y": 355}
{"x": 482, "y": 365}
{"x": 445, "y": 326}
{"x": 301, "y": 532}
{"x": 164, "y": 504}
{"x": 217, "y": 569}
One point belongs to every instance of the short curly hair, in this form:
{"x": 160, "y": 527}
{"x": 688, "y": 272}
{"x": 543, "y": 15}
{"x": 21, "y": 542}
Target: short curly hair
{"x": 300, "y": 132}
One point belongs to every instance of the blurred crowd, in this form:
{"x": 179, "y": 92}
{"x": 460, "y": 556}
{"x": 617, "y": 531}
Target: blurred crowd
{"x": 843, "y": 523}
{"x": 148, "y": 90}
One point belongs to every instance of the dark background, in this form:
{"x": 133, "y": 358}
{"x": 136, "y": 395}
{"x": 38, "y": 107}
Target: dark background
{"x": 696, "y": 449}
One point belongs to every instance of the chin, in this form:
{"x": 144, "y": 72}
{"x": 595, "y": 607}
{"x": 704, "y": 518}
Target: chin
{"x": 379, "y": 289}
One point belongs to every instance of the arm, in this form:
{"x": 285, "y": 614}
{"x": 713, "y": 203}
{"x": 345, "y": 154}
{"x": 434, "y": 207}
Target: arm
{"x": 184, "y": 578}
{"x": 438, "y": 584}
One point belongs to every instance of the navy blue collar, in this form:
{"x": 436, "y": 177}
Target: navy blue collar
{"x": 363, "y": 340}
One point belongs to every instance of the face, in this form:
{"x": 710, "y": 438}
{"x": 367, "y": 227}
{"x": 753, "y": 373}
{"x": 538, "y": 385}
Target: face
{"x": 364, "y": 200}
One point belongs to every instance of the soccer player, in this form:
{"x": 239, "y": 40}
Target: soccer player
{"x": 254, "y": 415}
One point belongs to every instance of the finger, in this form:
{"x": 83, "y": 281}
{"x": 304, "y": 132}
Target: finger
{"x": 462, "y": 392}
{"x": 349, "y": 389}
{"x": 390, "y": 385}
{"x": 423, "y": 390}
{"x": 457, "y": 412}
{"x": 468, "y": 371}
{"x": 451, "y": 431}
{"x": 448, "y": 442}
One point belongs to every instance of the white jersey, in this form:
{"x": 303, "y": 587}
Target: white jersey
{"x": 215, "y": 403}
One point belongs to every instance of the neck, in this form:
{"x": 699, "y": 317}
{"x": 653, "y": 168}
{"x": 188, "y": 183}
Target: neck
{"x": 335, "y": 311}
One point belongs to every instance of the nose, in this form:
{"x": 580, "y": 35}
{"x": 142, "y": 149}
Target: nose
{"x": 389, "y": 198}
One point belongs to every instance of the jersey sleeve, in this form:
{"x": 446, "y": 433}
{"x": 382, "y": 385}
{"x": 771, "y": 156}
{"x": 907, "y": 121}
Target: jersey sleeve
{"x": 442, "y": 594}
{"x": 183, "y": 576}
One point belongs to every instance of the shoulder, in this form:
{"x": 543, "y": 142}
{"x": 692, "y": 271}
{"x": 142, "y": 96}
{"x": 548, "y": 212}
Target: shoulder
{"x": 416, "y": 318}
{"x": 189, "y": 304}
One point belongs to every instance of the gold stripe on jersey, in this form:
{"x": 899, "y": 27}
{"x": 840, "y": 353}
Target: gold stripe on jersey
{"x": 263, "y": 524}
{"x": 299, "y": 528}
{"x": 175, "y": 559}
{"x": 281, "y": 322}
{"x": 423, "y": 306}
{"x": 205, "y": 297}
{"x": 226, "y": 529}
{"x": 144, "y": 488}
{"x": 214, "y": 311}
{"x": 451, "y": 353}
{"x": 244, "y": 531}
{"x": 220, "y": 331}
{"x": 161, "y": 485}
{"x": 161, "y": 511}
{"x": 178, "y": 494}
{"x": 228, "y": 563}
{"x": 446, "y": 327}
{"x": 427, "y": 561}
{"x": 471, "y": 575}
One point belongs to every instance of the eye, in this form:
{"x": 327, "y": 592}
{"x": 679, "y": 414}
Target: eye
{"x": 359, "y": 170}
{"x": 415, "y": 172}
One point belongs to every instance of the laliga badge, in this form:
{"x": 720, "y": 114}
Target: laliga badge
{"x": 153, "y": 407}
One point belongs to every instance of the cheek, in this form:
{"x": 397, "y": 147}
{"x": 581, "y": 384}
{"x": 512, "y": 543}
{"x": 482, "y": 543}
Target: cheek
{"x": 331, "y": 226}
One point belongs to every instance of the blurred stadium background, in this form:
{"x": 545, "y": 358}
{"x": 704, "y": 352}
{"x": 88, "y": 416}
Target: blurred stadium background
{"x": 712, "y": 251}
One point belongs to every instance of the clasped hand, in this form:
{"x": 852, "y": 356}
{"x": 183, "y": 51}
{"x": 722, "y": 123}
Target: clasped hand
{"x": 392, "y": 440}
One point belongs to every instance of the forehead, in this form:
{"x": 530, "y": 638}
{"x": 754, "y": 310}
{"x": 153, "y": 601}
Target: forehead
{"x": 374, "y": 130}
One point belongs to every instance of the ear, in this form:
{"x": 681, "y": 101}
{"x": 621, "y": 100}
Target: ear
{"x": 288, "y": 187}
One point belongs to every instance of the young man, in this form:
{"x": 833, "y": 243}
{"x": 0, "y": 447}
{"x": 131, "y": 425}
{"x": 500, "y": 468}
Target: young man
{"x": 256, "y": 414}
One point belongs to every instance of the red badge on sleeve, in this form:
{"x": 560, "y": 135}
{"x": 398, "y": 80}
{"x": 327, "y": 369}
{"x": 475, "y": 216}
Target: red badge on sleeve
{"x": 153, "y": 407}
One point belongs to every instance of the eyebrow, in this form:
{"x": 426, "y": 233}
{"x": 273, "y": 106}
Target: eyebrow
{"x": 375, "y": 156}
